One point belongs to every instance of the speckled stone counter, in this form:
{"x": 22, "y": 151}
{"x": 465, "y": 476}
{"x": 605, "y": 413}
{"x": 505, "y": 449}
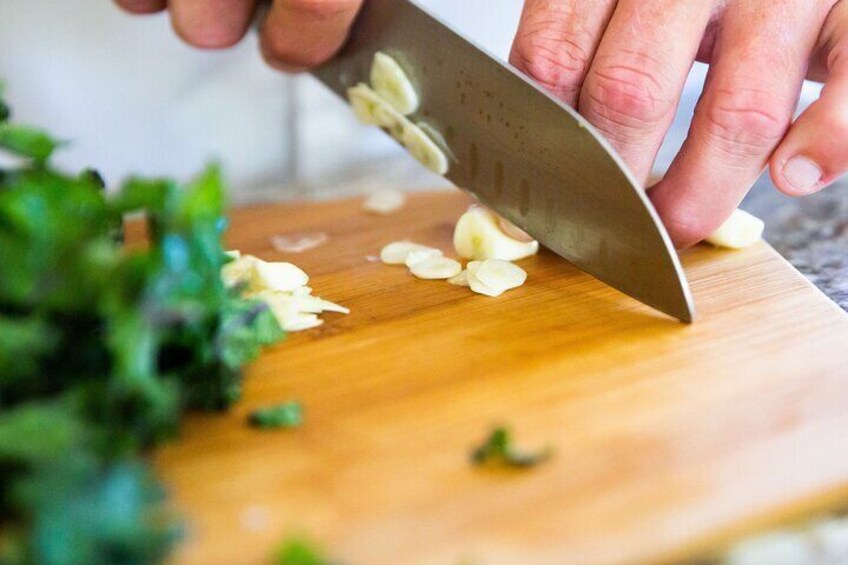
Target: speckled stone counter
{"x": 811, "y": 232}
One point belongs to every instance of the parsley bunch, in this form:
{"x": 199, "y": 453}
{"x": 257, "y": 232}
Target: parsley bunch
{"x": 102, "y": 349}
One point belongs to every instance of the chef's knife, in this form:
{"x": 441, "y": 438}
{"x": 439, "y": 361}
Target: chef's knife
{"x": 521, "y": 152}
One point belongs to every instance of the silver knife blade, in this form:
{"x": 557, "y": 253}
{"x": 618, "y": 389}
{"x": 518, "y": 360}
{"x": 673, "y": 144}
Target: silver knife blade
{"x": 521, "y": 152}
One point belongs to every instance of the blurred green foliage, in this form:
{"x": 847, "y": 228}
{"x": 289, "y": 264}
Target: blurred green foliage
{"x": 103, "y": 348}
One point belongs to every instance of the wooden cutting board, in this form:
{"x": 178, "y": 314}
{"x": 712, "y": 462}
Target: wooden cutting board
{"x": 669, "y": 439}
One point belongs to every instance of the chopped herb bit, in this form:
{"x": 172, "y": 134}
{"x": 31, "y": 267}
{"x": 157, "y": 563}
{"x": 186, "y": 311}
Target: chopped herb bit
{"x": 297, "y": 551}
{"x": 288, "y": 415}
{"x": 498, "y": 450}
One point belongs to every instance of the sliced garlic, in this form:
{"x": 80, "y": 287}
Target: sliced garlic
{"x": 478, "y": 235}
{"x": 493, "y": 277}
{"x": 327, "y": 306}
{"x": 436, "y": 268}
{"x": 421, "y": 255}
{"x": 385, "y": 202}
{"x": 299, "y": 242}
{"x": 739, "y": 231}
{"x": 393, "y": 85}
{"x": 302, "y": 322}
{"x": 315, "y": 305}
{"x": 277, "y": 276}
{"x": 478, "y": 286}
{"x": 397, "y": 252}
{"x": 302, "y": 291}
{"x": 282, "y": 286}
{"x": 238, "y": 272}
{"x": 425, "y": 149}
{"x": 371, "y": 109}
{"x": 500, "y": 274}
{"x": 460, "y": 280}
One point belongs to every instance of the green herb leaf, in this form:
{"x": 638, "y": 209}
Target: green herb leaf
{"x": 288, "y": 415}
{"x": 498, "y": 449}
{"x": 26, "y": 141}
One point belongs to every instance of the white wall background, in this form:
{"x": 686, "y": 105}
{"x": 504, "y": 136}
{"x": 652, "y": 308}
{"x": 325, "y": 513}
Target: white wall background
{"x": 133, "y": 99}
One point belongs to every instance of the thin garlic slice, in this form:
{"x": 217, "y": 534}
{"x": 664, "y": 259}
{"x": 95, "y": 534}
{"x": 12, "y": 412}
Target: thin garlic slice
{"x": 397, "y": 252}
{"x": 315, "y": 305}
{"x": 478, "y": 235}
{"x": 391, "y": 82}
{"x": 302, "y": 291}
{"x": 424, "y": 149}
{"x": 421, "y": 255}
{"x": 277, "y": 276}
{"x": 741, "y": 230}
{"x": 481, "y": 287}
{"x": 499, "y": 274}
{"x": 460, "y": 280}
{"x": 436, "y": 268}
{"x": 302, "y": 322}
{"x": 494, "y": 277}
{"x": 385, "y": 202}
{"x": 370, "y": 109}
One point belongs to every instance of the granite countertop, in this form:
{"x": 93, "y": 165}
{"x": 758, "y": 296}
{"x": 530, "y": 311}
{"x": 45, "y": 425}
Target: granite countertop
{"x": 811, "y": 232}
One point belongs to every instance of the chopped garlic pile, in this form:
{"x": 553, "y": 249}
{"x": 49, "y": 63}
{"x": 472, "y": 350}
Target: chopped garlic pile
{"x": 282, "y": 286}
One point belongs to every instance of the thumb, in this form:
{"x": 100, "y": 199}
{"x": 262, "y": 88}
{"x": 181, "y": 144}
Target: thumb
{"x": 815, "y": 151}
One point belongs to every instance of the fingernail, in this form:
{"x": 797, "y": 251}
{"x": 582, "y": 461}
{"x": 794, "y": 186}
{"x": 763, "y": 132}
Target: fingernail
{"x": 802, "y": 174}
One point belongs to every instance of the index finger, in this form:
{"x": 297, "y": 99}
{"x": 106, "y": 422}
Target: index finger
{"x": 300, "y": 34}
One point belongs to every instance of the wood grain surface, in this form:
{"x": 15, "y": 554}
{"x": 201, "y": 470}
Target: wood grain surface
{"x": 669, "y": 439}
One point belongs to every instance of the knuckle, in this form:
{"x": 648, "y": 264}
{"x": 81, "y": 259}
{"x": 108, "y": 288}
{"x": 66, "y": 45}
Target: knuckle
{"x": 557, "y": 63}
{"x": 632, "y": 91}
{"x": 749, "y": 121}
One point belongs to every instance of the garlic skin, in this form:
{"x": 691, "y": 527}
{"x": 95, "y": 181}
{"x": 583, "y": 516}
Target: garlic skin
{"x": 391, "y": 82}
{"x": 384, "y": 202}
{"x": 739, "y": 231}
{"x": 478, "y": 236}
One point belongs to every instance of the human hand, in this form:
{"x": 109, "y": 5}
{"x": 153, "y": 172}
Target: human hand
{"x": 295, "y": 35}
{"x": 623, "y": 65}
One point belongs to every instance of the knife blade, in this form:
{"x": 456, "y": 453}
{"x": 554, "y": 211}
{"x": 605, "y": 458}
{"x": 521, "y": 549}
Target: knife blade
{"x": 521, "y": 152}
